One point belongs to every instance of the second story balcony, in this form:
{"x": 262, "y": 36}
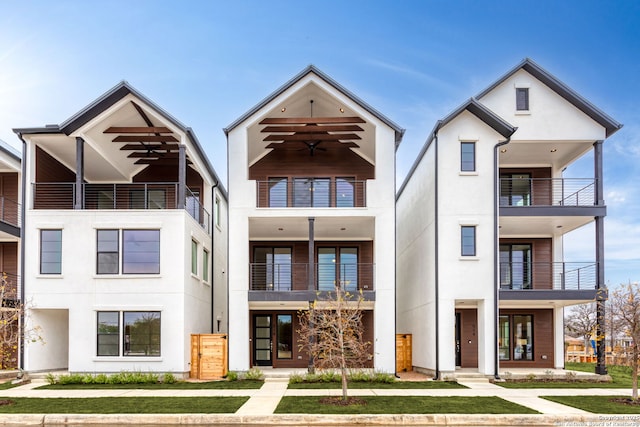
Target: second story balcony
{"x": 10, "y": 212}
{"x": 523, "y": 191}
{"x": 295, "y": 276}
{"x": 307, "y": 192}
{"x": 156, "y": 195}
{"x": 555, "y": 276}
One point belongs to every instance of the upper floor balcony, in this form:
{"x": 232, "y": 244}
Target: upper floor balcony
{"x": 155, "y": 195}
{"x": 287, "y": 277}
{"x": 10, "y": 216}
{"x": 522, "y": 191}
{"x": 307, "y": 192}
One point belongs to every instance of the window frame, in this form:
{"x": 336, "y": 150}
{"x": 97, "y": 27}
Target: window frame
{"x": 126, "y": 352}
{"x": 125, "y": 253}
{"x": 98, "y": 334}
{"x": 467, "y": 165}
{"x": 194, "y": 257}
{"x": 46, "y": 242}
{"x": 98, "y": 251}
{"x": 511, "y": 338}
{"x": 522, "y": 99}
{"x": 217, "y": 211}
{"x": 205, "y": 264}
{"x": 279, "y": 336}
{"x": 464, "y": 244}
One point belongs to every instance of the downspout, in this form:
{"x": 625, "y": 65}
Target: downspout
{"x": 496, "y": 271}
{"x": 436, "y": 255}
{"x": 22, "y": 250}
{"x": 211, "y": 262}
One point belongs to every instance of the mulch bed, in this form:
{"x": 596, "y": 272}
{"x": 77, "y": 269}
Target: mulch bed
{"x": 625, "y": 401}
{"x": 339, "y": 401}
{"x": 6, "y": 402}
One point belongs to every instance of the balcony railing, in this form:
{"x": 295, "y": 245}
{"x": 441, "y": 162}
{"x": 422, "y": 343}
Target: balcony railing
{"x": 10, "y": 289}
{"x": 547, "y": 192}
{"x": 311, "y": 193}
{"x": 156, "y": 195}
{"x": 548, "y": 276}
{"x": 295, "y": 276}
{"x": 10, "y": 211}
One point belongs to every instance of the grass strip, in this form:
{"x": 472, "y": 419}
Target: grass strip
{"x": 404, "y": 405}
{"x": 123, "y": 405}
{"x": 216, "y": 385}
{"x": 379, "y": 385}
{"x": 620, "y": 378}
{"x": 596, "y": 404}
{"x": 620, "y": 375}
{"x": 7, "y": 385}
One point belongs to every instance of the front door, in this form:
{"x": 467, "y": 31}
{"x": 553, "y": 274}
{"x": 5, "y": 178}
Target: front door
{"x": 262, "y": 345}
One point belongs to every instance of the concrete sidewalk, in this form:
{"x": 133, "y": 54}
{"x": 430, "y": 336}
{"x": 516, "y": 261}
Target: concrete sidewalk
{"x": 258, "y": 410}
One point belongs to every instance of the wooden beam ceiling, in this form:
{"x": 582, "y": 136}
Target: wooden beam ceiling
{"x": 130, "y": 129}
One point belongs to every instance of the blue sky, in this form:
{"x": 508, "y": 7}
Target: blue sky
{"x": 208, "y": 62}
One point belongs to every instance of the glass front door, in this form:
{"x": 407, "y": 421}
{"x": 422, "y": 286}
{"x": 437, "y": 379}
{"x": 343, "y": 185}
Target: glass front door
{"x": 262, "y": 346}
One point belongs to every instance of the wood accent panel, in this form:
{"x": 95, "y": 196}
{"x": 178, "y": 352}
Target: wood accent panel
{"x": 313, "y": 128}
{"x": 543, "y": 339}
{"x": 313, "y": 136}
{"x": 468, "y": 337}
{"x": 149, "y": 147}
{"x": 169, "y": 173}
{"x": 323, "y": 164}
{"x": 542, "y": 187}
{"x": 9, "y": 190}
{"x": 145, "y": 138}
{"x": 9, "y": 257}
{"x": 49, "y": 169}
{"x": 131, "y": 129}
{"x": 542, "y": 259}
{"x": 310, "y": 120}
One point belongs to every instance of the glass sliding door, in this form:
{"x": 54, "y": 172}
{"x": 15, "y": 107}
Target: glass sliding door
{"x": 278, "y": 192}
{"x": 515, "y": 189}
{"x": 515, "y": 266}
{"x": 349, "y": 269}
{"x": 311, "y": 192}
{"x": 337, "y": 266}
{"x": 326, "y": 269}
{"x": 271, "y": 269}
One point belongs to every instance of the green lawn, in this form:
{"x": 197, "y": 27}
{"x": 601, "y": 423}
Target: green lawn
{"x": 379, "y": 385}
{"x": 124, "y": 405}
{"x": 221, "y": 385}
{"x": 4, "y": 386}
{"x": 404, "y": 405}
{"x": 596, "y": 404}
{"x": 620, "y": 375}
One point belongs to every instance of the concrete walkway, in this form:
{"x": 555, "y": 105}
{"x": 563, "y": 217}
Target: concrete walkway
{"x": 259, "y": 409}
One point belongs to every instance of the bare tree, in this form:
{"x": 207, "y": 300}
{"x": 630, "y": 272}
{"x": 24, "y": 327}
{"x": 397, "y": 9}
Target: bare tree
{"x": 331, "y": 332}
{"x": 625, "y": 301}
{"x": 581, "y": 322}
{"x": 12, "y": 323}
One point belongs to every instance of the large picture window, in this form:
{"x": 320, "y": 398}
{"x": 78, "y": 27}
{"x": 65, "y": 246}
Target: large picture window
{"x": 50, "y": 251}
{"x": 139, "y": 335}
{"x": 141, "y": 251}
{"x": 515, "y": 337}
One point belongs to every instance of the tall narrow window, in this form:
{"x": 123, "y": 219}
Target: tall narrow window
{"x": 108, "y": 252}
{"x": 285, "y": 336}
{"x": 326, "y": 269}
{"x": 205, "y": 265}
{"x": 141, "y": 333}
{"x": 515, "y": 266}
{"x": 217, "y": 211}
{"x": 504, "y": 338}
{"x": 349, "y": 268}
{"x": 194, "y": 257}
{"x": 468, "y": 234}
{"x": 278, "y": 192}
{"x": 50, "y": 251}
{"x": 108, "y": 333}
{"x": 468, "y": 156}
{"x": 523, "y": 337}
{"x": 141, "y": 251}
{"x": 522, "y": 98}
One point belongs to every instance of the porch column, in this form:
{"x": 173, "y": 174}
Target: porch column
{"x": 79, "y": 173}
{"x": 182, "y": 176}
{"x": 312, "y": 271}
{"x": 601, "y": 294}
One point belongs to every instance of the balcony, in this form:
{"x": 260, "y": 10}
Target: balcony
{"x": 311, "y": 192}
{"x": 555, "y": 276}
{"x": 10, "y": 212}
{"x": 287, "y": 277}
{"x": 119, "y": 196}
{"x": 522, "y": 192}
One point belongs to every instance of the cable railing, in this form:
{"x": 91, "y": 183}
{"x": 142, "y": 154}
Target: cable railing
{"x": 311, "y": 193}
{"x": 147, "y": 196}
{"x": 294, "y": 276}
{"x": 10, "y": 212}
{"x": 521, "y": 192}
{"x": 548, "y": 276}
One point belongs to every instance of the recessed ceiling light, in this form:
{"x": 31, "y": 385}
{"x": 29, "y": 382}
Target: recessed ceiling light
{"x": 504, "y": 150}
{"x": 558, "y": 226}
{"x": 553, "y": 150}
{"x": 280, "y": 229}
{"x": 342, "y": 229}
{"x": 283, "y": 109}
{"x": 341, "y": 110}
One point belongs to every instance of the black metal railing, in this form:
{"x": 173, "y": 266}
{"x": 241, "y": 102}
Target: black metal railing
{"x": 548, "y": 276}
{"x": 295, "y": 276}
{"x": 154, "y": 195}
{"x": 311, "y": 192}
{"x": 547, "y": 192}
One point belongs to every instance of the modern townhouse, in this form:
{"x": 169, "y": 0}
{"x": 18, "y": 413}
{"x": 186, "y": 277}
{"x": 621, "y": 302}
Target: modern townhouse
{"x": 10, "y": 227}
{"x": 311, "y": 206}
{"x": 482, "y": 277}
{"x": 123, "y": 257}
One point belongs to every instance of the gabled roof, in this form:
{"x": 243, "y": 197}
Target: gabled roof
{"x": 399, "y": 132}
{"x": 477, "y": 109}
{"x": 561, "y": 89}
{"x": 8, "y": 149}
{"x": 103, "y": 103}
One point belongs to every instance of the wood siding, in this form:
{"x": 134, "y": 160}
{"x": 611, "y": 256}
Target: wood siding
{"x": 9, "y": 211}
{"x": 49, "y": 169}
{"x": 543, "y": 339}
{"x": 9, "y": 257}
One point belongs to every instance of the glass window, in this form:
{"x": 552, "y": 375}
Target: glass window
{"x": 515, "y": 266}
{"x": 285, "y": 336}
{"x": 271, "y": 269}
{"x": 141, "y": 251}
{"x": 523, "y": 337}
{"x": 515, "y": 189}
{"x": 468, "y": 156}
{"x": 311, "y": 192}
{"x": 468, "y": 240}
{"x": 194, "y": 257}
{"x": 345, "y": 192}
{"x": 193, "y": 204}
{"x": 504, "y": 343}
{"x": 522, "y": 99}
{"x": 50, "y": 251}
{"x": 108, "y": 333}
{"x": 108, "y": 252}
{"x": 217, "y": 211}
{"x": 277, "y": 192}
{"x": 141, "y": 198}
{"x": 141, "y": 333}
{"x": 205, "y": 265}
{"x": 326, "y": 269}
{"x": 349, "y": 268}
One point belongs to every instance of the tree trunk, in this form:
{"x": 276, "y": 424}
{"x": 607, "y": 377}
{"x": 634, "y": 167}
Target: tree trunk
{"x": 634, "y": 373}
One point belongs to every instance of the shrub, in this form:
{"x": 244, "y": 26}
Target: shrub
{"x": 70, "y": 379}
{"x": 50, "y": 378}
{"x": 169, "y": 378}
{"x": 232, "y": 376}
{"x": 296, "y": 379}
{"x": 383, "y": 377}
{"x": 254, "y": 374}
